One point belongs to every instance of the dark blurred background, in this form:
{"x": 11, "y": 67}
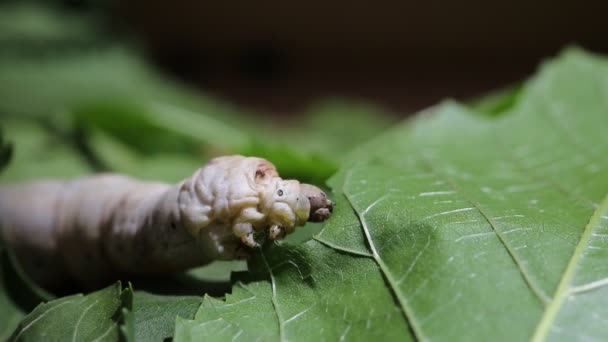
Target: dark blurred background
{"x": 277, "y": 56}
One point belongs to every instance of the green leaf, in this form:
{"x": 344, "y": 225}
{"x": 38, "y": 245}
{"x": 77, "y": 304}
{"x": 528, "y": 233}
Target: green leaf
{"x": 111, "y": 89}
{"x": 219, "y": 319}
{"x": 334, "y": 126}
{"x": 38, "y": 154}
{"x": 497, "y": 102}
{"x": 126, "y": 321}
{"x": 155, "y": 315}
{"x": 75, "y": 318}
{"x": 159, "y": 300}
{"x": 37, "y": 30}
{"x": 114, "y": 92}
{"x": 453, "y": 226}
{"x": 18, "y": 293}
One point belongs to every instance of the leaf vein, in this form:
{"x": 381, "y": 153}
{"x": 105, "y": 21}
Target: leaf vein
{"x": 275, "y": 304}
{"x": 84, "y": 312}
{"x": 406, "y": 310}
{"x": 564, "y": 288}
{"x": 342, "y": 249}
{"x": 540, "y": 294}
{"x": 42, "y": 315}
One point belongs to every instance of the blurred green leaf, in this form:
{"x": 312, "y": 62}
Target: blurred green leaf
{"x": 497, "y": 102}
{"x": 34, "y": 29}
{"x": 18, "y": 294}
{"x": 109, "y": 89}
{"x": 76, "y": 317}
{"x": 40, "y": 154}
{"x": 333, "y": 127}
{"x": 113, "y": 92}
{"x": 155, "y": 315}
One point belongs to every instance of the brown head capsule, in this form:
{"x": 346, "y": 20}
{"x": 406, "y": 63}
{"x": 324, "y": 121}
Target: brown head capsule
{"x": 321, "y": 207}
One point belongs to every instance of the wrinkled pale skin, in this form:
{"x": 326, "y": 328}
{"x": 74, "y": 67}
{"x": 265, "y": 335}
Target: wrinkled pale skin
{"x": 97, "y": 228}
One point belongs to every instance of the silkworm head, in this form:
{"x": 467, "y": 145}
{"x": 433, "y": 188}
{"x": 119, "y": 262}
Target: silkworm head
{"x": 284, "y": 204}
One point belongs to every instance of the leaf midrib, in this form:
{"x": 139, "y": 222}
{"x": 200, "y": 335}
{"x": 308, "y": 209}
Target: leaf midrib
{"x": 563, "y": 289}
{"x": 406, "y": 309}
{"x": 43, "y": 314}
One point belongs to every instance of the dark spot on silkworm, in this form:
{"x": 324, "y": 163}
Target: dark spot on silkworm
{"x": 280, "y": 192}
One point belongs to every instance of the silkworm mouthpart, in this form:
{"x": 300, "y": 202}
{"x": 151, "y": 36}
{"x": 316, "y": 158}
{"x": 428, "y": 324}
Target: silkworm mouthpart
{"x": 277, "y": 233}
{"x": 322, "y": 211}
{"x": 321, "y": 207}
{"x": 320, "y": 215}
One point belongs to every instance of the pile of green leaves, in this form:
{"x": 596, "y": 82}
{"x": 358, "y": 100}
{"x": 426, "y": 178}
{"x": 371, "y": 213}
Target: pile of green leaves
{"x": 479, "y": 221}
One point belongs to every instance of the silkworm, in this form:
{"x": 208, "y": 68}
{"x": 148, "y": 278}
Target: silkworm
{"x": 100, "y": 227}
